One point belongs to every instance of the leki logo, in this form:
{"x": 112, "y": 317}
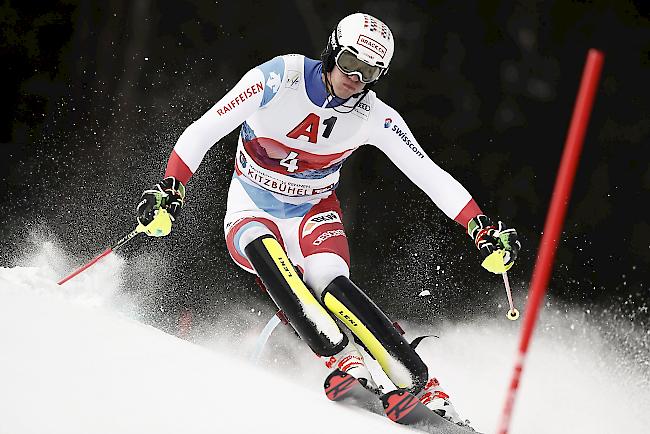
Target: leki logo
{"x": 284, "y": 267}
{"x": 372, "y": 45}
{"x": 347, "y": 317}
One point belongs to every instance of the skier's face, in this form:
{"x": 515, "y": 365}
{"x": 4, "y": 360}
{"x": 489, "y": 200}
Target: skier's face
{"x": 345, "y": 85}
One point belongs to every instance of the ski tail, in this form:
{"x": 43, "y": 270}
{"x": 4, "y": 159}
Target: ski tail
{"x": 343, "y": 387}
{"x": 404, "y": 408}
{"x": 339, "y": 385}
{"x": 400, "y": 406}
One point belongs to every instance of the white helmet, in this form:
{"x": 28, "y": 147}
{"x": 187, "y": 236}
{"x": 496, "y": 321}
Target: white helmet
{"x": 369, "y": 39}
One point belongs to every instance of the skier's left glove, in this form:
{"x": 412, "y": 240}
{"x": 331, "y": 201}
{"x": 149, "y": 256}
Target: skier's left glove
{"x": 160, "y": 206}
{"x": 499, "y": 245}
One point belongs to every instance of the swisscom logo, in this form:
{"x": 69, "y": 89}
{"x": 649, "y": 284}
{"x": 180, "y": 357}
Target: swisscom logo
{"x": 387, "y": 122}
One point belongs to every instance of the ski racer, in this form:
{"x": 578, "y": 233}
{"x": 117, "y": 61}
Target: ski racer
{"x": 300, "y": 120}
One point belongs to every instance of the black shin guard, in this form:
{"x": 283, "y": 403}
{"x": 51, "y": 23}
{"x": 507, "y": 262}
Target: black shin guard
{"x": 370, "y": 325}
{"x": 307, "y": 316}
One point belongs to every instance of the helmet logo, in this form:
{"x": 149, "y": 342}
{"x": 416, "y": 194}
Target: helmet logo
{"x": 372, "y": 45}
{"x": 371, "y": 23}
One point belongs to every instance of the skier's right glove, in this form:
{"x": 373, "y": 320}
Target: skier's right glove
{"x": 499, "y": 245}
{"x": 160, "y": 206}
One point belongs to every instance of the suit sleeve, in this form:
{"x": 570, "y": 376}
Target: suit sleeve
{"x": 255, "y": 89}
{"x": 393, "y": 137}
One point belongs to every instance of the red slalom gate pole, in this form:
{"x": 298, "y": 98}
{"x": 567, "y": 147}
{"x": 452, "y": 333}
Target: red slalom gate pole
{"x": 555, "y": 220}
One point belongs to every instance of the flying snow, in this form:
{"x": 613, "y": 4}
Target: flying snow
{"x": 71, "y": 362}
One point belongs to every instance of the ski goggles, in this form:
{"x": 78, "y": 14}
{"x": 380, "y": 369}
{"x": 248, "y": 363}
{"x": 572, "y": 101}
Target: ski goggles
{"x": 350, "y": 65}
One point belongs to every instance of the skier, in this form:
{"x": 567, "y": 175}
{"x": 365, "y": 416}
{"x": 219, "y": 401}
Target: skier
{"x": 300, "y": 119}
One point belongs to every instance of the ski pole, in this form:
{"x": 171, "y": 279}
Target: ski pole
{"x": 513, "y": 314}
{"x": 106, "y": 252}
{"x": 264, "y": 336}
{"x": 160, "y": 225}
{"x": 494, "y": 263}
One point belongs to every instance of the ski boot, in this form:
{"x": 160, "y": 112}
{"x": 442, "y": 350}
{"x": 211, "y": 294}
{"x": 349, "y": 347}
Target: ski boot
{"x": 351, "y": 361}
{"x": 438, "y": 401}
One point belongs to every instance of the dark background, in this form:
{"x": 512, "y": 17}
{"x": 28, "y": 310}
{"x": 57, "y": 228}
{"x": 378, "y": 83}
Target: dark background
{"x": 96, "y": 94}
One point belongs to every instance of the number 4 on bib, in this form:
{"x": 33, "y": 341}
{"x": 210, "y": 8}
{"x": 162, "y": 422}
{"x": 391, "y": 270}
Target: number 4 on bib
{"x": 290, "y": 162}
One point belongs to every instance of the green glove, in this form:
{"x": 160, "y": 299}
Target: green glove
{"x": 499, "y": 245}
{"x": 160, "y": 206}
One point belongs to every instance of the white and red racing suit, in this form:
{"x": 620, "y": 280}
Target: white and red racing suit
{"x": 293, "y": 141}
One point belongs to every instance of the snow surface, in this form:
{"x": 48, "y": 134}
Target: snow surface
{"x": 72, "y": 363}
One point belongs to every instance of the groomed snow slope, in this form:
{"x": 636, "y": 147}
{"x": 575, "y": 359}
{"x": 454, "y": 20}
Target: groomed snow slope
{"x": 70, "y": 368}
{"x": 71, "y": 364}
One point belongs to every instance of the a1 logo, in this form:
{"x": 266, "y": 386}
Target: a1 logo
{"x": 309, "y": 128}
